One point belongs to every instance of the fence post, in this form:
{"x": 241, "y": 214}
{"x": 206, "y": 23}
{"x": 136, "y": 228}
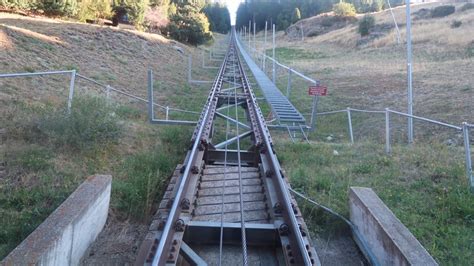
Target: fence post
{"x": 254, "y": 41}
{"x": 387, "y": 131}
{"x": 190, "y": 65}
{"x": 467, "y": 149}
{"x": 151, "y": 114}
{"x": 313, "y": 113}
{"x": 288, "y": 87}
{"x": 167, "y": 112}
{"x": 250, "y": 33}
{"x": 71, "y": 90}
{"x": 203, "y": 64}
{"x": 349, "y": 121}
{"x": 265, "y": 47}
{"x": 273, "y": 69}
{"x": 107, "y": 92}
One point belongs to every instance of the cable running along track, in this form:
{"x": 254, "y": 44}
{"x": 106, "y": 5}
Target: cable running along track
{"x": 229, "y": 204}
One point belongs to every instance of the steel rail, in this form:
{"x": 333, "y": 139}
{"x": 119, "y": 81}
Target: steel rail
{"x": 283, "y": 189}
{"x": 167, "y": 234}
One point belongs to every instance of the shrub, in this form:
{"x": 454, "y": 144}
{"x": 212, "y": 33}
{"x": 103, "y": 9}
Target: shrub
{"x": 344, "y": 9}
{"x": 18, "y": 4}
{"x": 156, "y": 17}
{"x": 366, "y": 24}
{"x": 189, "y": 25}
{"x": 58, "y": 7}
{"x": 296, "y": 15}
{"x": 93, "y": 9}
{"x": 442, "y": 11}
{"x": 90, "y": 123}
{"x": 467, "y": 6}
{"x": 456, "y": 24}
{"x": 377, "y": 5}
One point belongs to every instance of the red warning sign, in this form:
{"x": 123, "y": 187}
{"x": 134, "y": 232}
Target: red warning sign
{"x": 317, "y": 90}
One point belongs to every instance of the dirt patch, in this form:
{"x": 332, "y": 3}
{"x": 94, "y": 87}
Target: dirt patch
{"x": 117, "y": 244}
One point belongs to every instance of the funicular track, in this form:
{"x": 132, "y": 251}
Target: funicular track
{"x": 228, "y": 206}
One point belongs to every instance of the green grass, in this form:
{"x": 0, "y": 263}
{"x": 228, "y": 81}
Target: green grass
{"x": 424, "y": 186}
{"x": 49, "y": 153}
{"x": 288, "y": 54}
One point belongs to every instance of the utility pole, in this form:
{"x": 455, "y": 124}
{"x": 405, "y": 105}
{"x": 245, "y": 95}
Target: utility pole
{"x": 409, "y": 73}
{"x": 273, "y": 54}
{"x": 250, "y": 34}
{"x": 265, "y": 47}
{"x": 254, "y": 42}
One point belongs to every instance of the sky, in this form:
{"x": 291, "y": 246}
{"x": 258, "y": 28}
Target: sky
{"x": 232, "y": 5}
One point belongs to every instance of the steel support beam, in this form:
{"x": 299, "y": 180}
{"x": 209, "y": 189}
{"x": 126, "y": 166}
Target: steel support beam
{"x": 232, "y": 140}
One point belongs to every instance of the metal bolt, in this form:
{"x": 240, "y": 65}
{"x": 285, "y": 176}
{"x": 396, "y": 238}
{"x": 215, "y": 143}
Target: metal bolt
{"x": 284, "y": 229}
{"x": 185, "y": 203}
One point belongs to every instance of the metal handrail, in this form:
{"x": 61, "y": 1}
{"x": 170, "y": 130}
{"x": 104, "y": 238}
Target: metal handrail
{"x": 425, "y": 119}
{"x": 30, "y": 74}
{"x": 286, "y": 67}
{"x": 133, "y": 96}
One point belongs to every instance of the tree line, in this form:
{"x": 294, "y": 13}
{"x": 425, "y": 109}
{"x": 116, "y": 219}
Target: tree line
{"x": 283, "y": 13}
{"x": 189, "y": 21}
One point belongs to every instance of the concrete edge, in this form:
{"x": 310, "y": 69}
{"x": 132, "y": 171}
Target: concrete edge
{"x": 63, "y": 237}
{"x": 390, "y": 241}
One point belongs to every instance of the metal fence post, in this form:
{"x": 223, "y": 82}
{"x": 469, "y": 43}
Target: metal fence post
{"x": 107, "y": 92}
{"x": 313, "y": 113}
{"x": 167, "y": 112}
{"x": 203, "y": 64}
{"x": 151, "y": 114}
{"x": 467, "y": 149}
{"x": 71, "y": 90}
{"x": 349, "y": 121}
{"x": 250, "y": 33}
{"x": 265, "y": 47}
{"x": 254, "y": 41}
{"x": 387, "y": 131}
{"x": 273, "y": 69}
{"x": 190, "y": 65}
{"x": 288, "y": 87}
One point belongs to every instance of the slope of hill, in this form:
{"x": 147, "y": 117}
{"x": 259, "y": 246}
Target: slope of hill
{"x": 45, "y": 154}
{"x": 424, "y": 184}
{"x": 371, "y": 72}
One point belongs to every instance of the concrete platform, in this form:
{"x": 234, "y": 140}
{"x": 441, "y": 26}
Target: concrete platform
{"x": 66, "y": 234}
{"x": 388, "y": 239}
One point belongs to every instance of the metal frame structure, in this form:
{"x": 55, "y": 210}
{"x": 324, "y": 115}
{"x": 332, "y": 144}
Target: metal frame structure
{"x": 284, "y": 228}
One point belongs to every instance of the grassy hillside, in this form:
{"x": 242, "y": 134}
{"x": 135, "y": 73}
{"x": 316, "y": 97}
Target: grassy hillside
{"x": 424, "y": 184}
{"x": 45, "y": 154}
{"x": 364, "y": 73}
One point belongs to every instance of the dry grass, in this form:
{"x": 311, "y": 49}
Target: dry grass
{"x": 373, "y": 76}
{"x": 40, "y": 173}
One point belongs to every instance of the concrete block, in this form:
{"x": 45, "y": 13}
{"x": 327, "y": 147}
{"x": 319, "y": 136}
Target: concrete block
{"x": 66, "y": 234}
{"x": 388, "y": 239}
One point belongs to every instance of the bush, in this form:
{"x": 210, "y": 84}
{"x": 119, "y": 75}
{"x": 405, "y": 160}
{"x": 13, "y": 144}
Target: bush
{"x": 18, "y": 4}
{"x": 456, "y": 24}
{"x": 442, "y": 11}
{"x": 366, "y": 24}
{"x": 93, "y": 9}
{"x": 467, "y": 6}
{"x": 344, "y": 9}
{"x": 58, "y": 7}
{"x": 296, "y": 15}
{"x": 92, "y": 122}
{"x": 189, "y": 25}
